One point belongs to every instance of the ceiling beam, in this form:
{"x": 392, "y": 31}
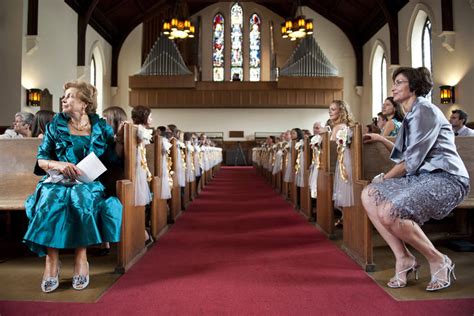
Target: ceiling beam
{"x": 392, "y": 19}
{"x": 82, "y": 22}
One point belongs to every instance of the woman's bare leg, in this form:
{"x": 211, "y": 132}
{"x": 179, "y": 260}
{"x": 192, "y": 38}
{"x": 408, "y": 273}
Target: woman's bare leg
{"x": 80, "y": 261}
{"x": 51, "y": 263}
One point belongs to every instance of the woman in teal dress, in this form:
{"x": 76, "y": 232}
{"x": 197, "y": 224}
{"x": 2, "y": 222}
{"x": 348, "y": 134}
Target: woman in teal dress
{"x": 395, "y": 115}
{"x": 63, "y": 215}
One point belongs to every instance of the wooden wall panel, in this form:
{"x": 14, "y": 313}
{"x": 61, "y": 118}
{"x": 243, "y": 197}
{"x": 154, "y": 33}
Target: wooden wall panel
{"x": 184, "y": 92}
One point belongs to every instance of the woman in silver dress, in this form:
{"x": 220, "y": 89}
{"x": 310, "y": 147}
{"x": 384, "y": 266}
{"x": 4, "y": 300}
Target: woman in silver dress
{"x": 428, "y": 181}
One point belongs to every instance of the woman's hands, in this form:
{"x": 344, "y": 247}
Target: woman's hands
{"x": 69, "y": 170}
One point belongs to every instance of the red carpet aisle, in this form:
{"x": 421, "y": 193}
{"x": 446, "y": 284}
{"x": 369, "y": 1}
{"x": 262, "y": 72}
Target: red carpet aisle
{"x": 241, "y": 250}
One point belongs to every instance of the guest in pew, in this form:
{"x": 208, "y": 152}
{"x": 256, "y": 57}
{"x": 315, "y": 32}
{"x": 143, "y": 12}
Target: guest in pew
{"x": 141, "y": 116}
{"x": 115, "y": 116}
{"x": 428, "y": 181}
{"x": 41, "y": 119}
{"x": 341, "y": 121}
{"x": 65, "y": 213}
{"x": 395, "y": 114}
{"x": 380, "y": 122}
{"x": 458, "y": 121}
{"x": 21, "y": 126}
{"x": 161, "y": 130}
{"x": 318, "y": 128}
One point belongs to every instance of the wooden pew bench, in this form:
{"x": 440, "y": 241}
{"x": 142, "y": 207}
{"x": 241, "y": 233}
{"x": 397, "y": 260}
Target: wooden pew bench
{"x": 17, "y": 162}
{"x": 325, "y": 205}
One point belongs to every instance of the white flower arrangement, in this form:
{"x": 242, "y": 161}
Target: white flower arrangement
{"x": 299, "y": 144}
{"x": 343, "y": 137}
{"x": 315, "y": 141}
{"x": 144, "y": 134}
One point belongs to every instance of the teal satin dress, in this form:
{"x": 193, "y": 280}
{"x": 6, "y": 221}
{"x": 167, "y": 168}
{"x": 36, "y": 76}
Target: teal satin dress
{"x": 81, "y": 215}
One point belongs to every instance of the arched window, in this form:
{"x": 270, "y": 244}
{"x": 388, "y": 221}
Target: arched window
{"x": 379, "y": 80}
{"x": 421, "y": 48}
{"x": 218, "y": 48}
{"x": 97, "y": 70}
{"x": 93, "y": 72}
{"x": 255, "y": 47}
{"x": 236, "y": 36}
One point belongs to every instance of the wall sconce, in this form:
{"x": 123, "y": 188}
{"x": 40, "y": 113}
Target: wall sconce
{"x": 446, "y": 94}
{"x": 33, "y": 97}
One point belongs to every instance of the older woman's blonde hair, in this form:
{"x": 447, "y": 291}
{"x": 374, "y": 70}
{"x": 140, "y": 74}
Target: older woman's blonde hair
{"x": 87, "y": 93}
{"x": 345, "y": 114}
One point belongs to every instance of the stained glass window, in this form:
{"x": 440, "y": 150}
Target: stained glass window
{"x": 236, "y": 36}
{"x": 255, "y": 48}
{"x": 218, "y": 48}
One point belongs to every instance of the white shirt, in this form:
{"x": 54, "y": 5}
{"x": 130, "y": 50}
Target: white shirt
{"x": 464, "y": 131}
{"x": 10, "y": 133}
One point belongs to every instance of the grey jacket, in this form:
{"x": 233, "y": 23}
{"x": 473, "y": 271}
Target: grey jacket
{"x": 426, "y": 142}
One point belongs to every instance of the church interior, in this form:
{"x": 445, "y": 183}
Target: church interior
{"x": 243, "y": 239}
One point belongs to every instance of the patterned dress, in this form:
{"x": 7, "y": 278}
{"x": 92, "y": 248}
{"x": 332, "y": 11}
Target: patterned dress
{"x": 436, "y": 179}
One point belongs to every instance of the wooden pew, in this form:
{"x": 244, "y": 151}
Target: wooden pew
{"x": 324, "y": 207}
{"x": 132, "y": 240}
{"x": 292, "y": 184}
{"x": 159, "y": 206}
{"x": 368, "y": 160}
{"x": 284, "y": 185}
{"x": 186, "y": 196}
{"x": 176, "y": 189}
{"x": 305, "y": 196}
{"x": 17, "y": 162}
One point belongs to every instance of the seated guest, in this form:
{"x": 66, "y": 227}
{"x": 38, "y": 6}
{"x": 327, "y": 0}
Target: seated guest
{"x": 141, "y": 116}
{"x": 394, "y": 113}
{"x": 318, "y": 128}
{"x": 236, "y": 77}
{"x": 458, "y": 121}
{"x": 115, "y": 116}
{"x": 161, "y": 130}
{"x": 65, "y": 213}
{"x": 42, "y": 117}
{"x": 380, "y": 123}
{"x": 341, "y": 120}
{"x": 428, "y": 181}
{"x": 306, "y": 132}
{"x": 21, "y": 126}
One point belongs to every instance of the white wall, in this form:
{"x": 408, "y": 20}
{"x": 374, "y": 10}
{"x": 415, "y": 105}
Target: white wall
{"x": 452, "y": 68}
{"x": 247, "y": 120}
{"x": 11, "y": 31}
{"x": 338, "y": 49}
{"x": 331, "y": 39}
{"x": 55, "y": 60}
{"x": 129, "y": 64}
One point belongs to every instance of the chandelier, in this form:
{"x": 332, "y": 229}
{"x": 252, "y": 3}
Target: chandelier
{"x": 296, "y": 28}
{"x": 177, "y": 28}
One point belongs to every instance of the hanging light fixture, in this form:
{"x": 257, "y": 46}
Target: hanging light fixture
{"x": 176, "y": 27}
{"x": 298, "y": 27}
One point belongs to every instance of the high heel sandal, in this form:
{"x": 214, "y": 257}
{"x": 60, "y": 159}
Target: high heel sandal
{"x": 436, "y": 283}
{"x": 51, "y": 283}
{"x": 79, "y": 281}
{"x": 397, "y": 282}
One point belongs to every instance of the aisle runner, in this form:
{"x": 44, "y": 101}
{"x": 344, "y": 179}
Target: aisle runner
{"x": 240, "y": 249}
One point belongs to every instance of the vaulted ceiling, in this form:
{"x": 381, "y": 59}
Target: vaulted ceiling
{"x": 358, "y": 19}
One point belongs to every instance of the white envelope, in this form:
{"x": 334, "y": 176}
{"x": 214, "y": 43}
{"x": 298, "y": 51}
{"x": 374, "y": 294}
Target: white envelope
{"x": 91, "y": 168}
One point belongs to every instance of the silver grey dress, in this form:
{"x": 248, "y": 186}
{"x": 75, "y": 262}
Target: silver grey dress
{"x": 436, "y": 179}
